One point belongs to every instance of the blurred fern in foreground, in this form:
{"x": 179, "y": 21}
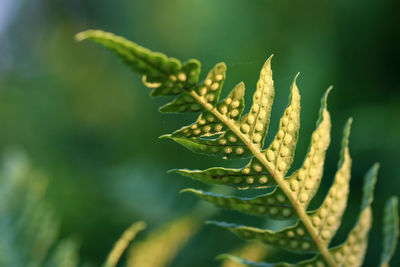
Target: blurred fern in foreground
{"x": 28, "y": 228}
{"x": 222, "y": 130}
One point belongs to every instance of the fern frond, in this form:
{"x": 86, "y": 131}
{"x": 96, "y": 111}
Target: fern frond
{"x": 222, "y": 130}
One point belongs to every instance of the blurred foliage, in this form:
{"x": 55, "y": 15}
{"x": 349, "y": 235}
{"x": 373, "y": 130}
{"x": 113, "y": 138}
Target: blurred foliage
{"x": 123, "y": 242}
{"x": 89, "y": 124}
{"x": 162, "y": 245}
{"x": 254, "y": 251}
{"x": 28, "y": 228}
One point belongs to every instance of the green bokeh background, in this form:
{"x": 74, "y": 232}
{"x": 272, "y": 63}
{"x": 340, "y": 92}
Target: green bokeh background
{"x": 88, "y": 122}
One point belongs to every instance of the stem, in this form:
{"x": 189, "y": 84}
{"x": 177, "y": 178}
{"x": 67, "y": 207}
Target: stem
{"x": 279, "y": 180}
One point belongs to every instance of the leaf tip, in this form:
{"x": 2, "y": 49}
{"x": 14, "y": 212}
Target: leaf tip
{"x": 393, "y": 200}
{"x": 375, "y": 168}
{"x": 165, "y": 136}
{"x": 187, "y": 190}
{"x": 80, "y": 36}
{"x": 295, "y": 77}
{"x": 294, "y": 84}
{"x": 369, "y": 185}
{"x": 267, "y": 64}
{"x": 211, "y": 222}
{"x": 221, "y": 66}
{"x": 327, "y": 92}
{"x": 324, "y": 99}
{"x": 140, "y": 225}
{"x": 349, "y": 121}
{"x": 223, "y": 257}
{"x": 83, "y": 35}
{"x": 347, "y": 129}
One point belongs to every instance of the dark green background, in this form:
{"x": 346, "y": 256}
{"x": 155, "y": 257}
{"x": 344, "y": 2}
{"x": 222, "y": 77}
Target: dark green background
{"x": 88, "y": 122}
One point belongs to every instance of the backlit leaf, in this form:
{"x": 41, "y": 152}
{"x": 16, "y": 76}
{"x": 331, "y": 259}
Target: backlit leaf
{"x": 221, "y": 130}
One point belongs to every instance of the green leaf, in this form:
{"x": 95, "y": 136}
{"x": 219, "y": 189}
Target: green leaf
{"x": 167, "y": 75}
{"x": 123, "y": 242}
{"x": 390, "y": 230}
